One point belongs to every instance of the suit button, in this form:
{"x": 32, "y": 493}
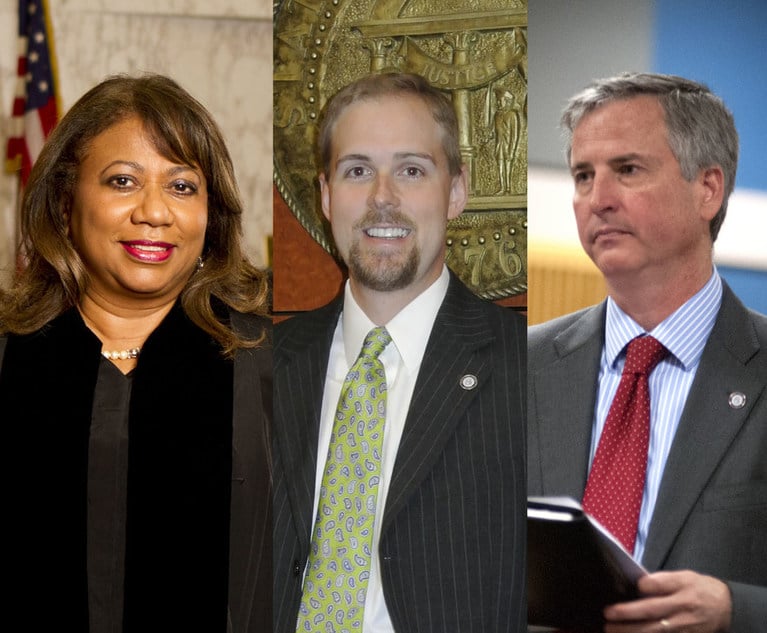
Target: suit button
{"x": 296, "y": 568}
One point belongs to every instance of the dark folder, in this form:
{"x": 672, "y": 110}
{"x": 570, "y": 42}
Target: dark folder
{"x": 575, "y": 567}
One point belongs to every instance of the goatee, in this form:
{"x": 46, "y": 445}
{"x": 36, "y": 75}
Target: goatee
{"x": 383, "y": 271}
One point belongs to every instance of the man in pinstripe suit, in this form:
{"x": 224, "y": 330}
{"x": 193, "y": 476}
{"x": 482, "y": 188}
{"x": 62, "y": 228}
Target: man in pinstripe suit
{"x": 653, "y": 159}
{"x": 449, "y": 531}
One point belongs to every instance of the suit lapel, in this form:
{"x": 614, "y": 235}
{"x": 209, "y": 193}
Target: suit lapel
{"x": 708, "y": 423}
{"x": 300, "y": 364}
{"x": 458, "y": 346}
{"x": 564, "y": 398}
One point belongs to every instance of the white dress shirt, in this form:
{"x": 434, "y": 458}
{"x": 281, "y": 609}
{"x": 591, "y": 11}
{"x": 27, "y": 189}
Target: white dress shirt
{"x": 410, "y": 330}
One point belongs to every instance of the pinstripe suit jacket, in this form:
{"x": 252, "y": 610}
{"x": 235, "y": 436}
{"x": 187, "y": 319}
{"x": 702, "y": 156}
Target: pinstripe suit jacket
{"x": 453, "y": 535}
{"x": 711, "y": 512}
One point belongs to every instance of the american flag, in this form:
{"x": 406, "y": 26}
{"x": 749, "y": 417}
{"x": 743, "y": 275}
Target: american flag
{"x": 35, "y": 111}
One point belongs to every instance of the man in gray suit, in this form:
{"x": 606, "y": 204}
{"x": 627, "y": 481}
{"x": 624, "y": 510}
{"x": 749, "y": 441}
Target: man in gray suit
{"x": 653, "y": 160}
{"x": 448, "y": 521}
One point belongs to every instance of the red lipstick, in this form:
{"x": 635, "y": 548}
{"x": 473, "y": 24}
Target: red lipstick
{"x": 148, "y": 250}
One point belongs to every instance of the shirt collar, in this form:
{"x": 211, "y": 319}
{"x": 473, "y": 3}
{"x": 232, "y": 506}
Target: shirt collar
{"x": 409, "y": 328}
{"x": 683, "y": 333}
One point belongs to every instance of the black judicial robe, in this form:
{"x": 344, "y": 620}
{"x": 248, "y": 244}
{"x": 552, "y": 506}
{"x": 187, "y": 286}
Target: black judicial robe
{"x": 198, "y": 545}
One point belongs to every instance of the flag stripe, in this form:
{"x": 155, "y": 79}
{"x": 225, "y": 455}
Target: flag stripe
{"x": 35, "y": 108}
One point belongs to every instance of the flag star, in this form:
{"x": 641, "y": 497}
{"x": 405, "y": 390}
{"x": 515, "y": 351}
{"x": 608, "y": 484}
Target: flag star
{"x": 28, "y": 77}
{"x": 33, "y": 56}
{"x": 32, "y": 7}
{"x": 43, "y": 86}
{"x": 39, "y": 37}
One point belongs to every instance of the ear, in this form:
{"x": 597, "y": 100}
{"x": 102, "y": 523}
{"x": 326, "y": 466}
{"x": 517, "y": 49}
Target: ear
{"x": 459, "y": 194}
{"x": 325, "y": 196}
{"x": 712, "y": 190}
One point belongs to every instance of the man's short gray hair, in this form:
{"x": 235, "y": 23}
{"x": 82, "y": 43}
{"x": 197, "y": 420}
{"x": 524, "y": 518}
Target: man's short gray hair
{"x": 701, "y": 130}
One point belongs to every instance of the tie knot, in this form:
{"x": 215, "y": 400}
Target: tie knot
{"x": 375, "y": 342}
{"x": 643, "y": 354}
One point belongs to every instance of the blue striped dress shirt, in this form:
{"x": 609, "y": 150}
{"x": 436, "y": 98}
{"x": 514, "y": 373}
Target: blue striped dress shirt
{"x": 684, "y": 334}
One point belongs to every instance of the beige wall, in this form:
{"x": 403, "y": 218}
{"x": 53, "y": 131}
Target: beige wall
{"x": 219, "y": 50}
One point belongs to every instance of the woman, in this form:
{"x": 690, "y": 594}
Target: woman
{"x": 136, "y": 378}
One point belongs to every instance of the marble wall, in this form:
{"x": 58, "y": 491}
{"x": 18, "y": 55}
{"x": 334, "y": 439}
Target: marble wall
{"x": 219, "y": 50}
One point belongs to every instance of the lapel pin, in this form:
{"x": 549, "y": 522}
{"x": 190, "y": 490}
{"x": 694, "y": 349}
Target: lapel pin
{"x": 468, "y": 382}
{"x": 737, "y": 400}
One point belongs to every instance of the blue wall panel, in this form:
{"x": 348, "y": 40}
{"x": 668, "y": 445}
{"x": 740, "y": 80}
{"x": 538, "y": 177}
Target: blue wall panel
{"x": 749, "y": 285}
{"x": 723, "y": 44}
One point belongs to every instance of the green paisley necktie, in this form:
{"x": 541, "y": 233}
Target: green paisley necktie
{"x": 339, "y": 561}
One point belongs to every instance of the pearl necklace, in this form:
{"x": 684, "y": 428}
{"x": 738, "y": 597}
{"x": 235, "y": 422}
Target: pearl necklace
{"x": 124, "y": 354}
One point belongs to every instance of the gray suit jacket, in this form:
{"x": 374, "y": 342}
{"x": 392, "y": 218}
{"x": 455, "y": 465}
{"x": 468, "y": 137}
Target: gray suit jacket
{"x": 711, "y": 512}
{"x": 452, "y": 545}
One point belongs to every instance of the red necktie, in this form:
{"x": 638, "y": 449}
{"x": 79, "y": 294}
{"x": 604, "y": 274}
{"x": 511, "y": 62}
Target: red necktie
{"x": 616, "y": 482}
